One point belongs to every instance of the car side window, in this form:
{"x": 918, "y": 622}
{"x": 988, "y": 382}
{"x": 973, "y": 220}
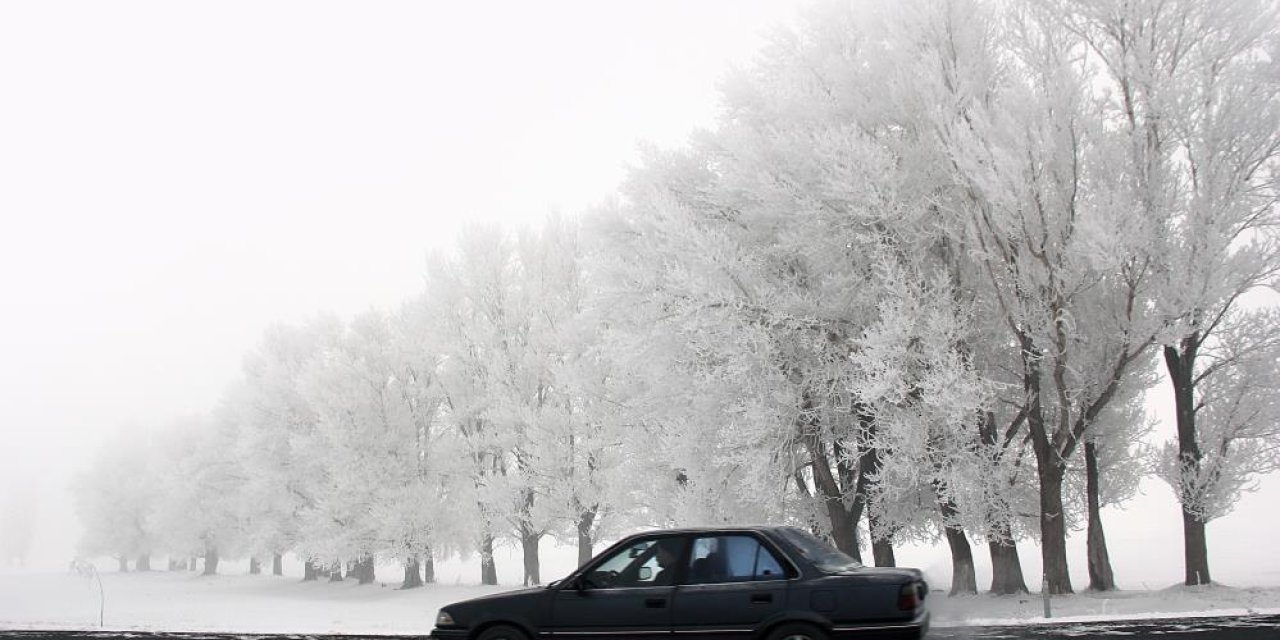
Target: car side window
{"x": 731, "y": 558}
{"x": 767, "y": 566}
{"x": 646, "y": 563}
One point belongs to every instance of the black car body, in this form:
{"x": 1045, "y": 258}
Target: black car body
{"x": 743, "y": 583}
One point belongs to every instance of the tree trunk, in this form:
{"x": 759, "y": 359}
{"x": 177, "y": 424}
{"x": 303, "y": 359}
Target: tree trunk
{"x": 1050, "y": 468}
{"x": 1196, "y": 553}
{"x": 412, "y": 573}
{"x": 173, "y": 564}
{"x": 365, "y": 571}
{"x": 122, "y": 563}
{"x": 882, "y": 552}
{"x": 1101, "y": 577}
{"x": 529, "y": 544}
{"x": 210, "y": 561}
{"x": 1006, "y": 567}
{"x": 881, "y": 541}
{"x": 193, "y": 563}
{"x": 585, "y": 520}
{"x": 1053, "y": 529}
{"x": 844, "y": 526}
{"x": 255, "y": 567}
{"x": 277, "y": 564}
{"x": 488, "y": 568}
{"x": 429, "y": 566}
{"x": 335, "y": 571}
{"x": 844, "y": 530}
{"x": 1180, "y": 363}
{"x": 144, "y": 562}
{"x": 309, "y": 572}
{"x": 964, "y": 578}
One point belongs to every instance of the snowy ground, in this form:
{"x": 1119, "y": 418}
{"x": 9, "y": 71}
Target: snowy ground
{"x": 185, "y": 601}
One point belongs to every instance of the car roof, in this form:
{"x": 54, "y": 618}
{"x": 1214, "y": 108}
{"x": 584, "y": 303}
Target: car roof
{"x": 713, "y": 529}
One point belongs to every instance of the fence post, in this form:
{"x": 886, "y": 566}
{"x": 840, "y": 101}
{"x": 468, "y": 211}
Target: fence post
{"x": 1044, "y": 595}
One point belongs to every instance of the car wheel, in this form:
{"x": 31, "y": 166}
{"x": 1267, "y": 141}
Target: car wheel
{"x": 797, "y": 631}
{"x": 502, "y": 632}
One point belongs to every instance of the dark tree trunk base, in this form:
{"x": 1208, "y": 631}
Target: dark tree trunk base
{"x": 532, "y": 567}
{"x": 1006, "y": 567}
{"x": 210, "y": 562}
{"x": 412, "y": 574}
{"x": 882, "y": 551}
{"x": 1195, "y": 551}
{"x": 365, "y": 573}
{"x": 1101, "y": 576}
{"x": 1180, "y": 362}
{"x": 1053, "y": 530}
{"x": 488, "y": 568}
{"x": 429, "y": 566}
{"x": 585, "y": 521}
{"x": 964, "y": 578}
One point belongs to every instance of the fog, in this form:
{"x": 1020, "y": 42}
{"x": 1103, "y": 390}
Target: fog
{"x": 174, "y": 177}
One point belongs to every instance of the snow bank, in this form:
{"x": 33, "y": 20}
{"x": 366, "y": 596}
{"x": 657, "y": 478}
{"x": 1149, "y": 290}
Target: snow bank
{"x": 1176, "y": 601}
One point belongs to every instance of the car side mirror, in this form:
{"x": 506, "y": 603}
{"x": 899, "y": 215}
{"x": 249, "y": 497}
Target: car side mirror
{"x": 646, "y": 574}
{"x": 579, "y": 584}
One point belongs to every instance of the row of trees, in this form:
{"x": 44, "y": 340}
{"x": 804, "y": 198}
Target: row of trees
{"x": 913, "y": 286}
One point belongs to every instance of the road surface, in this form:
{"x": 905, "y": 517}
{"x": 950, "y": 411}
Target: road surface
{"x": 1264, "y": 627}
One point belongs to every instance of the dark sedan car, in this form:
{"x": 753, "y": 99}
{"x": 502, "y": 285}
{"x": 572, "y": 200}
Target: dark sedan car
{"x": 743, "y": 583}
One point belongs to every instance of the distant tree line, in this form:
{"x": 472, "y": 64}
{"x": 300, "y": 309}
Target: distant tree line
{"x": 914, "y": 286}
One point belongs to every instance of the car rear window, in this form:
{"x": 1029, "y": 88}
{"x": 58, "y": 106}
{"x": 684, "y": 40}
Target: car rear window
{"x": 817, "y": 551}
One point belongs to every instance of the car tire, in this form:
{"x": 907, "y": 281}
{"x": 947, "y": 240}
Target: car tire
{"x": 797, "y": 631}
{"x": 502, "y": 632}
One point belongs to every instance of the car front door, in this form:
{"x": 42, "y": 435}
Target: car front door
{"x": 732, "y": 583}
{"x": 625, "y": 595}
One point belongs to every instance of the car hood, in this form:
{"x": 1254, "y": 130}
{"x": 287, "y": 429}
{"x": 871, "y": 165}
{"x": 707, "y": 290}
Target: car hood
{"x": 501, "y": 595}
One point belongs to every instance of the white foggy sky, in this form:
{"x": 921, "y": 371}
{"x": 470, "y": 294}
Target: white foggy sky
{"x": 174, "y": 176}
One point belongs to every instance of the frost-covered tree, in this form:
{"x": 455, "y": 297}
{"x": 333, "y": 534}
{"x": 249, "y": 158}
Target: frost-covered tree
{"x": 777, "y": 252}
{"x": 1236, "y": 420}
{"x": 283, "y": 467}
{"x": 469, "y": 300}
{"x": 410, "y": 506}
{"x": 116, "y": 500}
{"x": 577, "y": 442}
{"x": 1192, "y": 86}
{"x": 199, "y": 481}
{"x": 1064, "y": 251}
{"x": 360, "y": 424}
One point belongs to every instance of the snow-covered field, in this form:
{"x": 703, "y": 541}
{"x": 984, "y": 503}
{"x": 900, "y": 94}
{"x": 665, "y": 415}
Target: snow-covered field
{"x": 242, "y": 603}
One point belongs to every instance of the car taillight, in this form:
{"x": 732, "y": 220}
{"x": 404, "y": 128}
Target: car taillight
{"x": 908, "y": 598}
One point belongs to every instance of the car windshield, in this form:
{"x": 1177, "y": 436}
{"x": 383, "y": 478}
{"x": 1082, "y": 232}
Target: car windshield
{"x": 818, "y": 552}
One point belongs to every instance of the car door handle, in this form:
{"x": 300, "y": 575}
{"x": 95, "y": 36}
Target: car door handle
{"x": 761, "y": 598}
{"x": 655, "y": 603}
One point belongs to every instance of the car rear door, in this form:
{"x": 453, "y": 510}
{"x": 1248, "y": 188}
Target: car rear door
{"x": 732, "y": 583}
